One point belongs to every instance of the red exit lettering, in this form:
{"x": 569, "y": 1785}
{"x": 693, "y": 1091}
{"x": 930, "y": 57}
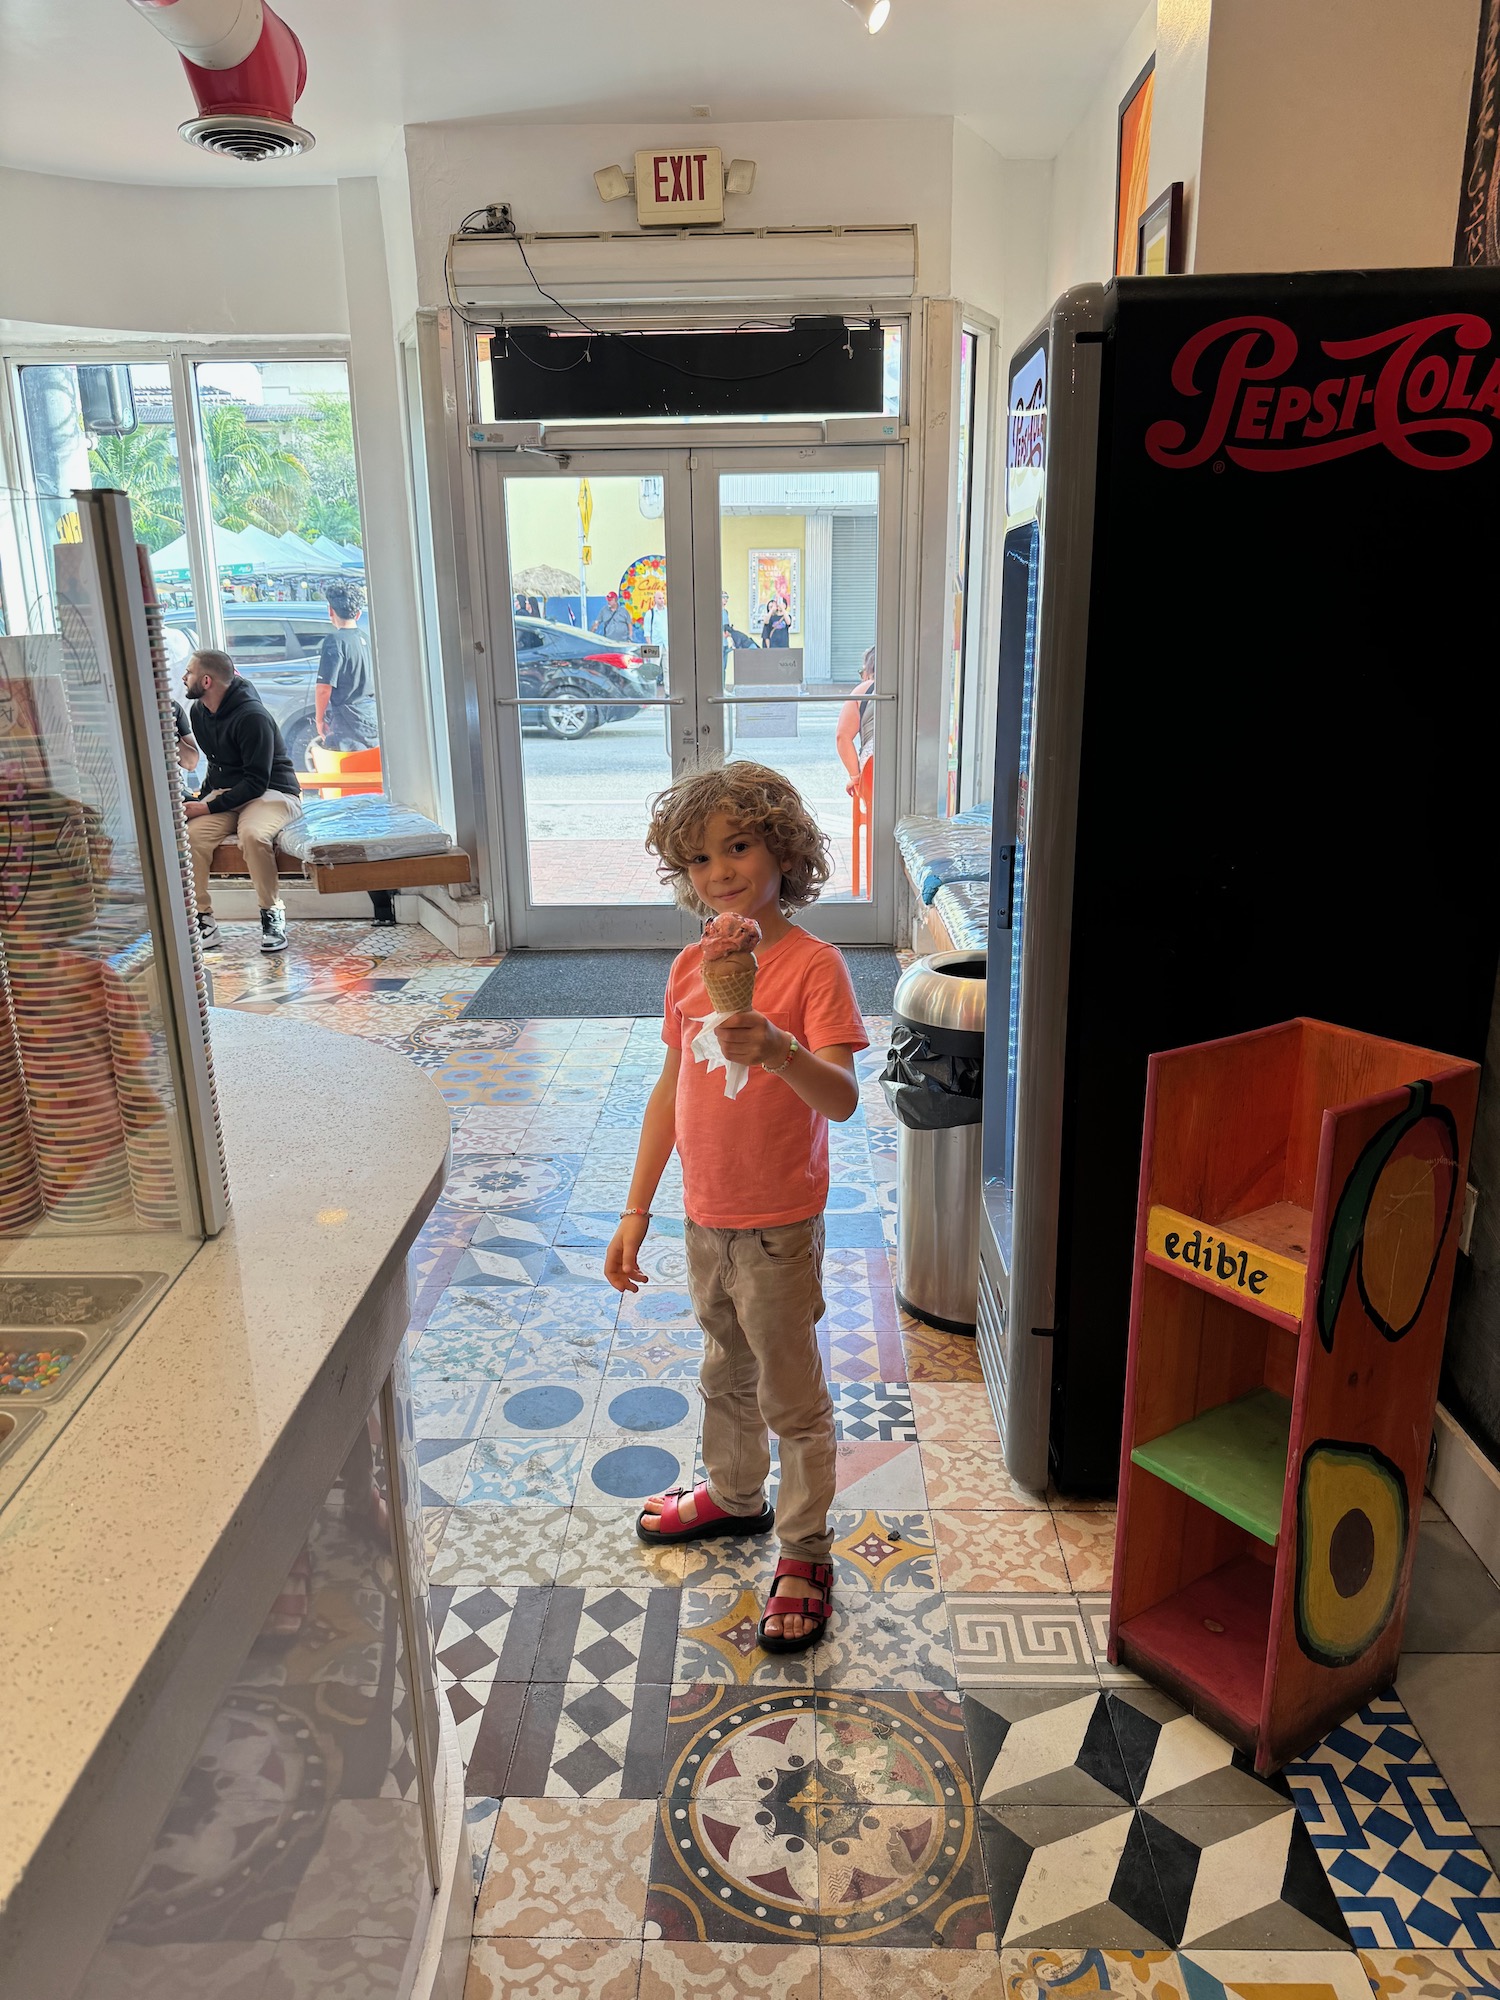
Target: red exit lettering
{"x": 679, "y": 177}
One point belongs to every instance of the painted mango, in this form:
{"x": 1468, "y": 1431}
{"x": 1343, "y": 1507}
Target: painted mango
{"x": 1352, "y": 1525}
{"x": 1392, "y": 1219}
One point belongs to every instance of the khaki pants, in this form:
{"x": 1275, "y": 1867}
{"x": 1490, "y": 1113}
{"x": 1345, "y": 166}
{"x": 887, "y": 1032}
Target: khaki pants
{"x": 758, "y": 1294}
{"x": 257, "y": 825}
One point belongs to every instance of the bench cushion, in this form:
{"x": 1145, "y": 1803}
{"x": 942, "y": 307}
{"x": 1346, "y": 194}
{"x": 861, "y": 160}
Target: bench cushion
{"x": 334, "y": 832}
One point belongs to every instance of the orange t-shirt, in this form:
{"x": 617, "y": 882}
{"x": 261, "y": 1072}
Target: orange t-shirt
{"x": 760, "y": 1159}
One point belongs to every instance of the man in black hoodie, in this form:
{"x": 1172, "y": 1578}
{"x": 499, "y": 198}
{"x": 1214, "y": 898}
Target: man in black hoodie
{"x": 250, "y": 789}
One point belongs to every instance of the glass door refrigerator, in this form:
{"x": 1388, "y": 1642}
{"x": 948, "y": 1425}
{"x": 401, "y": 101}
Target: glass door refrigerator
{"x": 1246, "y": 748}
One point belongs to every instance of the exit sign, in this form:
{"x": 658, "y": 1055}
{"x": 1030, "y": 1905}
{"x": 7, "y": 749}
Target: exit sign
{"x": 675, "y": 185}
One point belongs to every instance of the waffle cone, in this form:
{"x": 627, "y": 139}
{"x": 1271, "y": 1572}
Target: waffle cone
{"x": 730, "y": 983}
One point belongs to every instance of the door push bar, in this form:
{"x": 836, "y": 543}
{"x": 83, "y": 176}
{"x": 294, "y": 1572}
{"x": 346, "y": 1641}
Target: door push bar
{"x": 586, "y": 701}
{"x": 789, "y": 700}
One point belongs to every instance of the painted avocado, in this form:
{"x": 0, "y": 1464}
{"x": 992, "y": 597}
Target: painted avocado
{"x": 1407, "y": 1221}
{"x": 1352, "y": 1525}
{"x": 1392, "y": 1218}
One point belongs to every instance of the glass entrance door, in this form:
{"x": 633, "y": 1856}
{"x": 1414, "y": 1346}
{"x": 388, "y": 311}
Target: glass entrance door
{"x": 654, "y": 610}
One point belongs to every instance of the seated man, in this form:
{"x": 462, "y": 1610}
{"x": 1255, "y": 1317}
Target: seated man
{"x": 249, "y": 788}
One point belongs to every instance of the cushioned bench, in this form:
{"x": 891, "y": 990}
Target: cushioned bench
{"x": 358, "y": 844}
{"x": 947, "y": 862}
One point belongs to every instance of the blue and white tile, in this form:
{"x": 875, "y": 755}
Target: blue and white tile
{"x": 648, "y": 1411}
{"x": 581, "y": 1304}
{"x": 453, "y": 1355}
{"x": 480, "y": 1309}
{"x": 522, "y": 1473}
{"x": 655, "y": 1356}
{"x": 665, "y": 1310}
{"x": 543, "y": 1409}
{"x": 632, "y": 1470}
{"x": 533, "y": 1186}
{"x": 560, "y": 1352}
{"x": 1407, "y": 1868}
{"x": 452, "y": 1411}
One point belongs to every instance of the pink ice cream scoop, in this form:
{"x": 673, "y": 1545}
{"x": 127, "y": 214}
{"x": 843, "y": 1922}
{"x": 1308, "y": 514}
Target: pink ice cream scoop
{"x": 729, "y": 968}
{"x": 728, "y": 935}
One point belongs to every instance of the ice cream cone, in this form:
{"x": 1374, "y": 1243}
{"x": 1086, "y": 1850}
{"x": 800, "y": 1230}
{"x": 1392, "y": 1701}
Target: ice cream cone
{"x": 731, "y": 982}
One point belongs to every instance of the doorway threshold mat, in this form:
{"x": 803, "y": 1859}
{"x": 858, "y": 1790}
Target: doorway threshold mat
{"x": 572, "y": 986}
{"x": 591, "y": 985}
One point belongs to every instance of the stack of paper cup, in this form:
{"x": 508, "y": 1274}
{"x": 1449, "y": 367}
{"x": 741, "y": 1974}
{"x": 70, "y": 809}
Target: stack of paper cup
{"x": 20, "y": 1186}
{"x": 61, "y": 1024}
{"x": 143, "y": 1082}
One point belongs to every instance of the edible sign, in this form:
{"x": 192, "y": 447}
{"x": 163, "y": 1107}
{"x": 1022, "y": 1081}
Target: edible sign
{"x": 679, "y": 184}
{"x": 1229, "y": 1263}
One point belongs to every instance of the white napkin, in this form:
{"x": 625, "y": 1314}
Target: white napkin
{"x": 705, "y": 1047}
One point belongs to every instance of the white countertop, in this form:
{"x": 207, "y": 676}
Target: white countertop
{"x": 214, "y": 1426}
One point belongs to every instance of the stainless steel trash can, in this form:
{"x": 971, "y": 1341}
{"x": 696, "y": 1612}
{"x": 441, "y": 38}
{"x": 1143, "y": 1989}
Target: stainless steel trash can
{"x": 933, "y": 1081}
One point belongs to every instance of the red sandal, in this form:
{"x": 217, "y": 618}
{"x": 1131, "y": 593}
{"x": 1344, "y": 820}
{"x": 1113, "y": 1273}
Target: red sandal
{"x": 711, "y": 1518}
{"x": 820, "y": 1574}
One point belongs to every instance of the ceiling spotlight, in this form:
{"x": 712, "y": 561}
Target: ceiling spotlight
{"x": 613, "y": 183}
{"x": 874, "y": 13}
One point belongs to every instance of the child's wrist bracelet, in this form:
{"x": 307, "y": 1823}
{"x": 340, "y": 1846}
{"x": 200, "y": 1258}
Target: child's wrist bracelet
{"x": 626, "y": 1213}
{"x": 775, "y": 1069}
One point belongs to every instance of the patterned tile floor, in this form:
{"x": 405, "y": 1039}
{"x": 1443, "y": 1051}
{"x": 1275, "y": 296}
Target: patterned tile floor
{"x": 955, "y": 1794}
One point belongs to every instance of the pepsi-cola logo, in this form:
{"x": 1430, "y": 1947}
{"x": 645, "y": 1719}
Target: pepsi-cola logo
{"x": 1426, "y": 391}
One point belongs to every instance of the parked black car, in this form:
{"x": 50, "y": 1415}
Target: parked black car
{"x": 571, "y": 673}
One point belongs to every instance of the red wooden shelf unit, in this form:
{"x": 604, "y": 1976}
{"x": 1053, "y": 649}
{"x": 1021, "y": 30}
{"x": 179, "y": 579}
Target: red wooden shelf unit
{"x": 1300, "y": 1200}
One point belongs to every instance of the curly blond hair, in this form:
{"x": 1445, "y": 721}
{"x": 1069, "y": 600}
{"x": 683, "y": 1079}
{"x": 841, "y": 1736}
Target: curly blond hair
{"x": 755, "y": 798}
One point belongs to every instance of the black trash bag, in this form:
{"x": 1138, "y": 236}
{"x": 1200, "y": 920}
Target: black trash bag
{"x": 928, "y": 1083}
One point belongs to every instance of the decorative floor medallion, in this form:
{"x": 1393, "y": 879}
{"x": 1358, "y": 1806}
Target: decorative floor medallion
{"x": 769, "y": 1828}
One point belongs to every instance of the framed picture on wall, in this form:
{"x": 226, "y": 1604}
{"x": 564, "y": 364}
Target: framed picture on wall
{"x": 776, "y": 573}
{"x": 1132, "y": 167}
{"x": 1158, "y": 236}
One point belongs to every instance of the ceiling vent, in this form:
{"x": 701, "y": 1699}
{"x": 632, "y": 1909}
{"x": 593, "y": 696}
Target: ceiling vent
{"x": 246, "y": 69}
{"x": 234, "y": 136}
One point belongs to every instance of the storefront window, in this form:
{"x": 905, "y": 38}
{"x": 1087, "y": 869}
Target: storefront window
{"x": 108, "y": 426}
{"x": 288, "y": 553}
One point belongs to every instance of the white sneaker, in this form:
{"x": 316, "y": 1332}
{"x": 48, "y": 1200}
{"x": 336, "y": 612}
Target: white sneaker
{"x": 209, "y": 935}
{"x": 273, "y": 929}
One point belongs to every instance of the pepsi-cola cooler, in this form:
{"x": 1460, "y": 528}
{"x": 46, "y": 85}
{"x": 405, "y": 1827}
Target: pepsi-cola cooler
{"x": 1246, "y": 754}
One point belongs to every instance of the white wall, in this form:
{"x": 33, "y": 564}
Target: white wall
{"x": 1333, "y": 135}
{"x": 168, "y": 260}
{"x": 1182, "y": 38}
{"x": 895, "y": 170}
{"x": 1081, "y": 235}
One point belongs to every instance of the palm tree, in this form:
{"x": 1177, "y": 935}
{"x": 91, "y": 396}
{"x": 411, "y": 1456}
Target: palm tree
{"x": 252, "y": 478}
{"x": 141, "y": 464}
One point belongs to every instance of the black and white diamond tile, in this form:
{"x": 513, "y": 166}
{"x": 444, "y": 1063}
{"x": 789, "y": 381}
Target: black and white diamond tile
{"x": 1071, "y": 1876}
{"x": 614, "y": 1635}
{"x": 1241, "y": 1878}
{"x": 1044, "y": 1746}
{"x": 1172, "y": 1757}
{"x": 590, "y": 1740}
{"x": 1407, "y": 1868}
{"x": 879, "y": 1412}
{"x": 491, "y": 1634}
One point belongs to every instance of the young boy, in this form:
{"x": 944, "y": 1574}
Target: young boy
{"x": 755, "y": 1179}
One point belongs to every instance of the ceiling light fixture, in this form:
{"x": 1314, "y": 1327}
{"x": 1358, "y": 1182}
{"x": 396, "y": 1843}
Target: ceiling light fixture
{"x": 874, "y": 13}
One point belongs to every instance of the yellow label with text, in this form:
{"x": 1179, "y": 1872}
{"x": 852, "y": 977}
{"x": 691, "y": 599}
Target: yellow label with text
{"x": 1227, "y": 1262}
